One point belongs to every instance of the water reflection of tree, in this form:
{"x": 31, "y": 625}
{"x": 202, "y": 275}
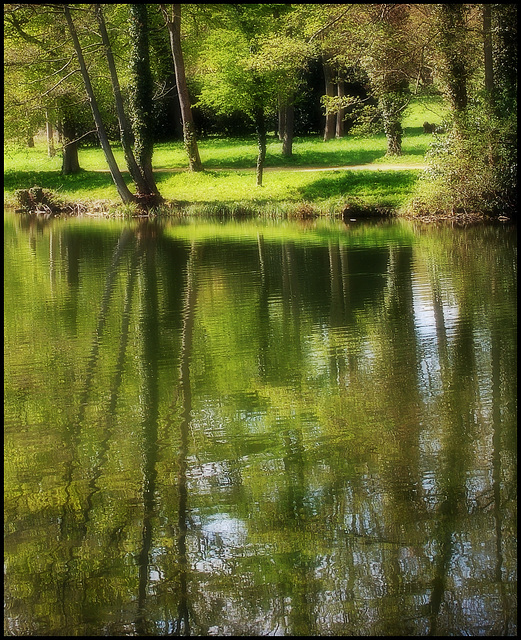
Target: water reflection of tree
{"x": 183, "y": 619}
{"x": 73, "y": 522}
{"x": 343, "y": 512}
{"x": 75, "y": 525}
{"x": 149, "y": 400}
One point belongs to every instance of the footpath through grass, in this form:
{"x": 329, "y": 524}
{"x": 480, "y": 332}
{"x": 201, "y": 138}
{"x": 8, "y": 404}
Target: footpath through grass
{"x": 229, "y": 176}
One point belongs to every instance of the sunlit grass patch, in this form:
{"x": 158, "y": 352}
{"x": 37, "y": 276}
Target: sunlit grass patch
{"x": 330, "y": 190}
{"x": 229, "y": 175}
{"x": 227, "y": 186}
{"x": 429, "y": 108}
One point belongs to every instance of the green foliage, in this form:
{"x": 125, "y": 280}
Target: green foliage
{"x": 474, "y": 168}
{"x": 249, "y": 63}
{"x": 229, "y": 82}
{"x": 367, "y": 121}
{"x": 470, "y": 170}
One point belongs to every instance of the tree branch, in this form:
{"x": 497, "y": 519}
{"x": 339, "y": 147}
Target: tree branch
{"x": 329, "y": 25}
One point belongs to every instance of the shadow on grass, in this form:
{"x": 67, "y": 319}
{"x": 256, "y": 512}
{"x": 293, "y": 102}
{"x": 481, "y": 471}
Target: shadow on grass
{"x": 84, "y": 181}
{"x": 382, "y": 185}
{"x": 318, "y": 153}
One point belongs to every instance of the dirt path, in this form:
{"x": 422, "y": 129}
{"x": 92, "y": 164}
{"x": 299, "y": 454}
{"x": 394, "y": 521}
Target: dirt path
{"x": 353, "y": 167}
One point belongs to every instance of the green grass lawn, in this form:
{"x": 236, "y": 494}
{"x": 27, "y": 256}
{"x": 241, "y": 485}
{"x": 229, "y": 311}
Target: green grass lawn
{"x": 229, "y": 170}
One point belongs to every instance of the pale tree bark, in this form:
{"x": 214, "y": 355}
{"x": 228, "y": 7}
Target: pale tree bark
{"x": 121, "y": 186}
{"x": 260, "y": 125}
{"x": 329, "y": 130}
{"x": 286, "y": 124}
{"x": 51, "y": 152}
{"x": 173, "y": 23}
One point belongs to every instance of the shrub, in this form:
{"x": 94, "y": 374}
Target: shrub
{"x": 473, "y": 170}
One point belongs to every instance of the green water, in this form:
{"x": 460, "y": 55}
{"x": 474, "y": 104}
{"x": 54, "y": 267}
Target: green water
{"x": 259, "y": 428}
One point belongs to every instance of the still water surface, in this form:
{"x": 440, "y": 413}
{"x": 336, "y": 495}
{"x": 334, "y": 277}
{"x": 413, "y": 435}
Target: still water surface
{"x": 255, "y": 428}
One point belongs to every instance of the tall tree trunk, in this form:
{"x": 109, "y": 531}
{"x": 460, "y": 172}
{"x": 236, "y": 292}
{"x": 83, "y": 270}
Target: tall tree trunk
{"x": 339, "y": 131}
{"x": 70, "y": 160}
{"x": 173, "y": 24}
{"x": 453, "y": 50}
{"x": 124, "y": 126}
{"x": 329, "y": 130}
{"x": 286, "y": 124}
{"x": 281, "y": 114}
{"x": 51, "y": 152}
{"x": 487, "y": 48}
{"x": 260, "y": 125}
{"x": 121, "y": 186}
{"x": 141, "y": 96}
{"x": 287, "y": 141}
{"x": 391, "y": 108}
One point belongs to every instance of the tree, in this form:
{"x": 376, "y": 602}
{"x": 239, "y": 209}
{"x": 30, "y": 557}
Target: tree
{"x": 124, "y": 125}
{"x": 474, "y": 60}
{"x": 331, "y": 115}
{"x": 231, "y": 84}
{"x": 121, "y": 186}
{"x": 141, "y": 87}
{"x": 386, "y": 60}
{"x": 249, "y": 67}
{"x": 39, "y": 80}
{"x": 453, "y": 66}
{"x": 173, "y": 23}
{"x": 503, "y": 22}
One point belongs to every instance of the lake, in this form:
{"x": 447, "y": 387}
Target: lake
{"x": 259, "y": 428}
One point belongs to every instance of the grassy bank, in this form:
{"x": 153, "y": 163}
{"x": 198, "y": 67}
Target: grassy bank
{"x": 229, "y": 179}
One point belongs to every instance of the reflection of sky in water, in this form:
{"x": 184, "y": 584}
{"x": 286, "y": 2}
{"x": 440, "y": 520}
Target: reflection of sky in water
{"x": 425, "y": 327}
{"x": 424, "y": 318}
{"x": 218, "y": 538}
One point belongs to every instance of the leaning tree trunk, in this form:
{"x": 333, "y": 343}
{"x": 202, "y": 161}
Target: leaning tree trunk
{"x": 124, "y": 126}
{"x": 121, "y": 186}
{"x": 190, "y": 141}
